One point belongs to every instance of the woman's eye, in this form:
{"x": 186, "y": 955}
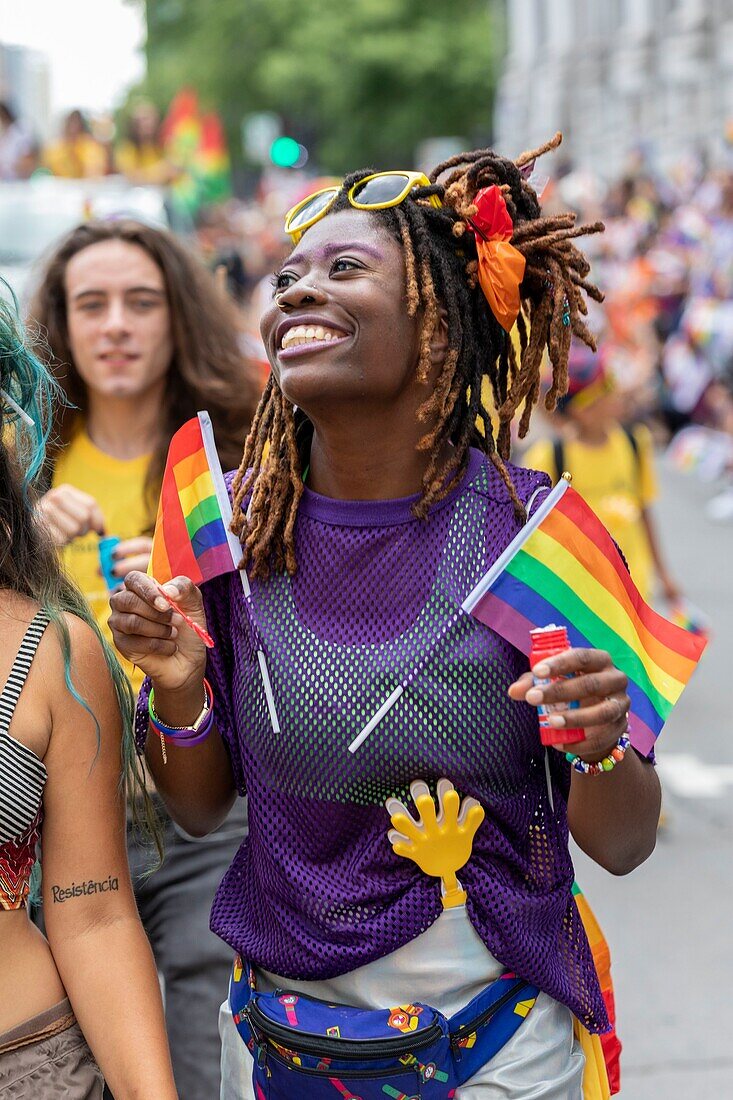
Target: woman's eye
{"x": 282, "y": 279}
{"x": 343, "y": 265}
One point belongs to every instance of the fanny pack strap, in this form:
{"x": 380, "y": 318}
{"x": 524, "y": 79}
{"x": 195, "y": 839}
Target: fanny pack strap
{"x": 486, "y": 1024}
{"x": 241, "y": 987}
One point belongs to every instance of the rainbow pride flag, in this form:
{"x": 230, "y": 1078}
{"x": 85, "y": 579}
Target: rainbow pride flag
{"x": 563, "y": 567}
{"x": 192, "y": 537}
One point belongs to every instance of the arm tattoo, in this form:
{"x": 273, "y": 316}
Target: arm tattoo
{"x": 78, "y": 889}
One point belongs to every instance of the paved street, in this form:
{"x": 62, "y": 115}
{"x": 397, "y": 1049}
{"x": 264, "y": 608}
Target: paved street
{"x": 669, "y": 924}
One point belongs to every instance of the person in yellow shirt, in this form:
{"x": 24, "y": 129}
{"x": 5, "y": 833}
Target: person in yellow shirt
{"x": 84, "y": 473}
{"x": 76, "y": 154}
{"x": 612, "y": 467}
{"x": 140, "y": 155}
{"x": 141, "y": 339}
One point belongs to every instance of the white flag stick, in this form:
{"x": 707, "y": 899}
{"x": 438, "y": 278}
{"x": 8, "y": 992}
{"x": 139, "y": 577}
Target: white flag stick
{"x": 207, "y": 434}
{"x": 377, "y": 718}
{"x": 469, "y": 603}
{"x": 516, "y": 544}
{"x": 548, "y": 777}
{"x": 399, "y": 690}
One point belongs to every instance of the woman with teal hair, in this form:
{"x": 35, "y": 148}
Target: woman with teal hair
{"x": 85, "y": 1002}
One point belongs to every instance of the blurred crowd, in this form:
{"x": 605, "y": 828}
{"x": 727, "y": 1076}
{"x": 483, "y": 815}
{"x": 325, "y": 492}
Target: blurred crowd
{"x": 665, "y": 264}
{"x": 185, "y": 151}
{"x": 87, "y": 149}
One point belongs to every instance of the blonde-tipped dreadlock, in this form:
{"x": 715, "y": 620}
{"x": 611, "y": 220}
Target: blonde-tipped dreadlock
{"x": 441, "y": 271}
{"x": 276, "y": 484}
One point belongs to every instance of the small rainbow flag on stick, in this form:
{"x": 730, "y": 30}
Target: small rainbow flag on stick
{"x": 192, "y": 535}
{"x": 564, "y": 567}
{"x": 191, "y": 538}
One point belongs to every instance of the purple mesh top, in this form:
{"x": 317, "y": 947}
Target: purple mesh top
{"x": 315, "y": 890}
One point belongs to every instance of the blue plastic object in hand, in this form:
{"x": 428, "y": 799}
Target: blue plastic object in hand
{"x": 107, "y": 561}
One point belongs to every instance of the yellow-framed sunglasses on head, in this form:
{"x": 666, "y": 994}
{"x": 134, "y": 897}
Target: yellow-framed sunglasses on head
{"x": 376, "y": 192}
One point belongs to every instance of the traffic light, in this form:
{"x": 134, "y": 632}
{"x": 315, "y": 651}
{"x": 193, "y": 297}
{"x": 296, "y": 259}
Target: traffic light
{"x": 286, "y": 152}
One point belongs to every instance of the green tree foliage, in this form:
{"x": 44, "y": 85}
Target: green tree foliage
{"x": 358, "y": 81}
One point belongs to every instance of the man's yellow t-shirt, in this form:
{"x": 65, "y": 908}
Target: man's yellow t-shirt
{"x": 118, "y": 486}
{"x": 617, "y": 484}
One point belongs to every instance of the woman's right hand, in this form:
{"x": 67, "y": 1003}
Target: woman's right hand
{"x": 152, "y": 636}
{"x": 67, "y": 513}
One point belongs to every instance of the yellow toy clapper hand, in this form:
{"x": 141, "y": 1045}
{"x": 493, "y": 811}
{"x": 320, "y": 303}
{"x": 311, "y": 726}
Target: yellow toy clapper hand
{"x": 439, "y": 843}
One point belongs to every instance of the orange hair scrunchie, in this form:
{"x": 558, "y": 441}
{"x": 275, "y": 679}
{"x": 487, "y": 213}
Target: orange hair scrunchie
{"x": 500, "y": 264}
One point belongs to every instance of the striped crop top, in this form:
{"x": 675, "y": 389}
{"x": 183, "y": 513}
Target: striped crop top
{"x": 22, "y": 781}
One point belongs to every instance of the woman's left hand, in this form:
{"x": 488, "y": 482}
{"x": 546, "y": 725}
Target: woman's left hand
{"x": 596, "y": 685}
{"x": 132, "y": 554}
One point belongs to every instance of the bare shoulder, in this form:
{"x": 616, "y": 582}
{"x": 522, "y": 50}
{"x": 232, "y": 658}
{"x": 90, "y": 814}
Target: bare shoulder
{"x": 85, "y": 717}
{"x": 17, "y": 613}
{"x": 84, "y": 663}
{"x": 85, "y": 642}
{"x": 69, "y": 686}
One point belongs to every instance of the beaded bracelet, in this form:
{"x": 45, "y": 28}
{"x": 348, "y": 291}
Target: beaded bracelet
{"x": 607, "y": 764}
{"x": 187, "y": 736}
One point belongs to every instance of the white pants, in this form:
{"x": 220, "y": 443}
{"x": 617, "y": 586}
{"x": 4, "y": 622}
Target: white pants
{"x": 444, "y": 967}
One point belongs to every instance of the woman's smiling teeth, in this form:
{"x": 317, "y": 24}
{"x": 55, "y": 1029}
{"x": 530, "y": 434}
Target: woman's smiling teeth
{"x": 303, "y": 334}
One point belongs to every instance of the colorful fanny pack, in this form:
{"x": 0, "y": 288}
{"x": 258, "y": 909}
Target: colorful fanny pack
{"x": 407, "y": 1052}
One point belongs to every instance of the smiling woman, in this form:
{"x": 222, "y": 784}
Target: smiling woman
{"x": 371, "y": 497}
{"x": 363, "y": 310}
{"x": 429, "y": 242}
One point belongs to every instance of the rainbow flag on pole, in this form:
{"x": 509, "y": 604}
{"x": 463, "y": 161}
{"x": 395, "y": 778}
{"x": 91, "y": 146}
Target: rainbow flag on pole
{"x": 564, "y": 567}
{"x": 192, "y": 537}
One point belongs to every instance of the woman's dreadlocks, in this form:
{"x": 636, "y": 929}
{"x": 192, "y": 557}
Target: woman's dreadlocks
{"x": 441, "y": 270}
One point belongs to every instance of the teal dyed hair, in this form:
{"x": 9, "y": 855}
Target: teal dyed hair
{"x": 28, "y": 561}
{"x": 30, "y": 386}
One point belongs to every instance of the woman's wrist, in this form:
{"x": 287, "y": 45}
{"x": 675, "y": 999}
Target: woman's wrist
{"x": 180, "y": 707}
{"x": 604, "y": 764}
{"x": 589, "y": 757}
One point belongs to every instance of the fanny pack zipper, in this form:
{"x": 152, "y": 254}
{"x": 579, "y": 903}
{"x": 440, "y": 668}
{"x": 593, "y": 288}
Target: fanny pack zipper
{"x": 308, "y": 1042}
{"x": 480, "y": 1020}
{"x": 393, "y": 1071}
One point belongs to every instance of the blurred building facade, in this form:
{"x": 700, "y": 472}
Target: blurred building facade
{"x": 616, "y": 75}
{"x": 25, "y": 84}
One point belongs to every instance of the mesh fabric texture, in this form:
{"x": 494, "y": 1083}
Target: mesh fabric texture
{"x": 316, "y": 890}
